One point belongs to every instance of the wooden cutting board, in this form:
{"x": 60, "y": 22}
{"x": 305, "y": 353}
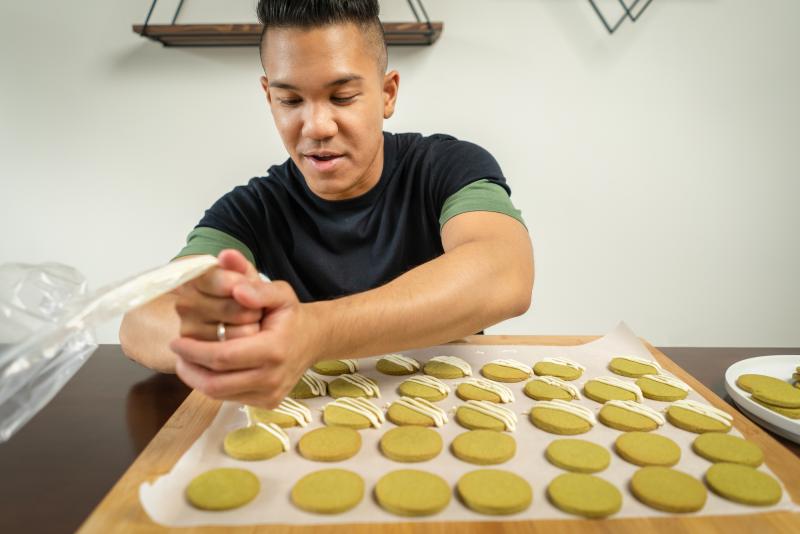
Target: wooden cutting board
{"x": 120, "y": 510}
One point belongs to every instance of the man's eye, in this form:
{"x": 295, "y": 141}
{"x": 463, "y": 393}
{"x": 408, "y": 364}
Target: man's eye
{"x": 289, "y": 101}
{"x": 343, "y": 99}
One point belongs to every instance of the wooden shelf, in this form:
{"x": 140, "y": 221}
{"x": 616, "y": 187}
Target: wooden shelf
{"x": 397, "y": 33}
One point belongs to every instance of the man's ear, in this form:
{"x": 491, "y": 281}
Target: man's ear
{"x": 391, "y": 84}
{"x": 265, "y": 87}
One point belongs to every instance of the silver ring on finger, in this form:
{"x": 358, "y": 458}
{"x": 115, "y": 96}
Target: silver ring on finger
{"x": 221, "y": 331}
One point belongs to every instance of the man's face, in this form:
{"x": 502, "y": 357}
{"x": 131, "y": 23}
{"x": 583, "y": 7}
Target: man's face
{"x": 329, "y": 99}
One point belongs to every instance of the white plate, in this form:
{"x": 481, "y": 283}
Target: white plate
{"x": 779, "y": 366}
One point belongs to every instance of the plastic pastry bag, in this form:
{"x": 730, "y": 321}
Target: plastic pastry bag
{"x": 47, "y": 320}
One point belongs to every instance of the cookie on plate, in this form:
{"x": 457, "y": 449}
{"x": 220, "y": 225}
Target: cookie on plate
{"x": 309, "y": 387}
{"x": 562, "y": 417}
{"x": 484, "y": 390}
{"x": 633, "y": 366}
{"x": 494, "y": 492}
{"x": 447, "y": 367}
{"x": 415, "y": 411}
{"x": 784, "y": 395}
{"x": 791, "y": 413}
{"x": 257, "y": 442}
{"x": 662, "y": 388}
{"x": 716, "y": 447}
{"x": 425, "y": 387}
{"x": 411, "y": 444}
{"x": 562, "y": 368}
{"x": 698, "y": 417}
{"x": 289, "y": 413}
{"x": 577, "y": 455}
{"x": 668, "y": 490}
{"x": 551, "y": 388}
{"x": 505, "y": 370}
{"x": 584, "y": 495}
{"x": 329, "y": 444}
{"x": 630, "y": 416}
{"x": 224, "y": 488}
{"x": 605, "y": 388}
{"x": 643, "y": 449}
{"x": 355, "y": 385}
{"x": 335, "y": 367}
{"x": 484, "y": 447}
{"x": 750, "y": 381}
{"x": 352, "y": 412}
{"x": 397, "y": 365}
{"x": 412, "y": 493}
{"x": 743, "y": 484}
{"x": 486, "y": 415}
{"x": 329, "y": 491}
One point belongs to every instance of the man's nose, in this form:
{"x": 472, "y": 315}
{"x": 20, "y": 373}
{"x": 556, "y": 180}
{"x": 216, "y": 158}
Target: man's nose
{"x": 319, "y": 122}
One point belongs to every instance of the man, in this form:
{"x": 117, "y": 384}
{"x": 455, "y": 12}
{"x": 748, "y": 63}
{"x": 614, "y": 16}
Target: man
{"x": 380, "y": 242}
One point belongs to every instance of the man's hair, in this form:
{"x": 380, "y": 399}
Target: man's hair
{"x": 308, "y": 14}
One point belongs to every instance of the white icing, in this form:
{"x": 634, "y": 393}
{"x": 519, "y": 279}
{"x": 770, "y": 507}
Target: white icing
{"x": 514, "y": 364}
{"x": 455, "y": 361}
{"x": 317, "y": 386}
{"x": 352, "y": 365}
{"x": 432, "y": 382}
{"x": 362, "y": 407}
{"x": 557, "y": 382}
{"x": 617, "y": 383}
{"x": 295, "y": 410}
{"x": 367, "y": 385}
{"x": 704, "y": 409}
{"x": 569, "y": 407}
{"x": 564, "y": 361}
{"x": 409, "y": 364}
{"x": 668, "y": 380}
{"x": 425, "y": 408}
{"x": 643, "y": 361}
{"x": 504, "y": 415}
{"x": 639, "y": 408}
{"x": 500, "y": 390}
{"x": 278, "y": 432}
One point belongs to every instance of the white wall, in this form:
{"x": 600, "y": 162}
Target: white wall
{"x": 658, "y": 168}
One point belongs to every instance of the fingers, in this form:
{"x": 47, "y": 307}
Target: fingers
{"x": 233, "y": 355}
{"x": 217, "y": 282}
{"x": 269, "y": 295}
{"x": 208, "y": 331}
{"x": 233, "y": 260}
{"x": 197, "y": 307}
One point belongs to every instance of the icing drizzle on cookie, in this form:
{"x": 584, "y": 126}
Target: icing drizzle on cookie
{"x": 278, "y": 432}
{"x": 431, "y": 382}
{"x": 514, "y": 364}
{"x": 317, "y": 386}
{"x": 409, "y": 364}
{"x": 295, "y": 410}
{"x": 500, "y": 390}
{"x": 704, "y": 409}
{"x": 565, "y": 406}
{"x": 425, "y": 408}
{"x": 643, "y": 361}
{"x": 557, "y": 382}
{"x": 564, "y": 361}
{"x": 455, "y": 361}
{"x": 360, "y": 406}
{"x": 617, "y": 383}
{"x": 504, "y": 415}
{"x": 639, "y": 408}
{"x": 367, "y": 385}
{"x": 668, "y": 380}
{"x": 352, "y": 365}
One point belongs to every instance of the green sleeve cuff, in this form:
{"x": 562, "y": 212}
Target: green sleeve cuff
{"x": 206, "y": 240}
{"x": 481, "y": 195}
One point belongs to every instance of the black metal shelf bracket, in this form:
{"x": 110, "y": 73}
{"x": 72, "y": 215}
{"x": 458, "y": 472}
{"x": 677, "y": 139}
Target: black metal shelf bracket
{"x": 628, "y": 13}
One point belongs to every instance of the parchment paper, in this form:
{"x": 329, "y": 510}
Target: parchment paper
{"x": 164, "y": 499}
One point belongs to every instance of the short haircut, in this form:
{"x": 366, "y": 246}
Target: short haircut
{"x": 308, "y": 14}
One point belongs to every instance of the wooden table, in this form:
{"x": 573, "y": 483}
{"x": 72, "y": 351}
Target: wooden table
{"x": 59, "y": 467}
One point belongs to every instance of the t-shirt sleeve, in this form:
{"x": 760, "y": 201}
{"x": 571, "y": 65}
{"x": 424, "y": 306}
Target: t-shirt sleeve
{"x": 481, "y": 195}
{"x": 205, "y": 240}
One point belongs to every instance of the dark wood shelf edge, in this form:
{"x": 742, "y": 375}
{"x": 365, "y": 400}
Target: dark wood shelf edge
{"x": 397, "y": 34}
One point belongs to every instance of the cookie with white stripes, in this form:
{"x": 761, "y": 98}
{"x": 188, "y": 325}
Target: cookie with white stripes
{"x": 429, "y": 388}
{"x": 415, "y": 411}
{"x": 551, "y": 388}
{"x": 633, "y": 366}
{"x": 562, "y": 417}
{"x": 605, "y": 388}
{"x": 447, "y": 367}
{"x": 257, "y": 442}
{"x": 698, "y": 417}
{"x": 662, "y": 388}
{"x": 287, "y": 414}
{"x": 562, "y": 368}
{"x": 352, "y": 412}
{"x": 484, "y": 390}
{"x": 309, "y": 387}
{"x": 355, "y": 385}
{"x": 397, "y": 365}
{"x": 506, "y": 370}
{"x": 630, "y": 416}
{"x": 486, "y": 415}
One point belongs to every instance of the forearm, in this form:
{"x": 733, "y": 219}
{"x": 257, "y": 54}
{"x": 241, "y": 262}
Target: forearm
{"x": 145, "y": 333}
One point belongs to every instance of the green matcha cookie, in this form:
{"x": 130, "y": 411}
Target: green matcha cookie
{"x": 425, "y": 387}
{"x": 484, "y": 447}
{"x": 222, "y": 489}
{"x": 289, "y": 413}
{"x": 355, "y": 412}
{"x": 633, "y": 366}
{"x": 605, "y": 388}
{"x": 416, "y": 412}
{"x": 258, "y": 442}
{"x": 309, "y": 387}
{"x": 698, "y": 417}
{"x": 484, "y": 390}
{"x": 641, "y": 448}
{"x": 486, "y": 415}
{"x": 551, "y": 388}
{"x": 505, "y": 370}
{"x": 584, "y": 495}
{"x": 397, "y": 365}
{"x": 335, "y": 367}
{"x": 784, "y": 395}
{"x": 494, "y": 492}
{"x": 743, "y": 484}
{"x": 447, "y": 367}
{"x": 355, "y": 385}
{"x": 662, "y": 388}
{"x": 411, "y": 444}
{"x": 412, "y": 493}
{"x": 668, "y": 490}
{"x": 559, "y": 367}
{"x": 791, "y": 413}
{"x": 561, "y": 417}
{"x": 330, "y": 491}
{"x": 749, "y": 382}
{"x": 329, "y": 444}
{"x": 716, "y": 447}
{"x": 577, "y": 455}
{"x": 629, "y": 416}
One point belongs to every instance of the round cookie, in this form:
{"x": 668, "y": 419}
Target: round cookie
{"x": 415, "y": 412}
{"x": 484, "y": 390}
{"x": 329, "y": 444}
{"x": 354, "y": 385}
{"x": 577, "y": 455}
{"x": 289, "y": 413}
{"x": 425, "y": 387}
{"x": 716, "y": 447}
{"x": 551, "y": 388}
{"x": 633, "y": 366}
{"x": 668, "y": 490}
{"x": 750, "y": 381}
{"x": 791, "y": 413}
{"x": 644, "y": 449}
{"x": 484, "y": 447}
{"x": 561, "y": 417}
{"x": 335, "y": 367}
{"x": 412, "y": 493}
{"x": 309, "y": 387}
{"x": 397, "y": 365}
{"x": 222, "y": 489}
{"x": 505, "y": 370}
{"x": 447, "y": 367}
{"x": 559, "y": 367}
{"x": 662, "y": 388}
{"x": 486, "y": 415}
{"x": 629, "y": 416}
{"x": 329, "y": 491}
{"x": 784, "y": 395}
{"x": 411, "y": 444}
{"x": 605, "y": 388}
{"x": 743, "y": 484}
{"x": 494, "y": 492}
{"x": 355, "y": 412}
{"x": 584, "y": 495}
{"x": 698, "y": 417}
{"x": 257, "y": 442}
